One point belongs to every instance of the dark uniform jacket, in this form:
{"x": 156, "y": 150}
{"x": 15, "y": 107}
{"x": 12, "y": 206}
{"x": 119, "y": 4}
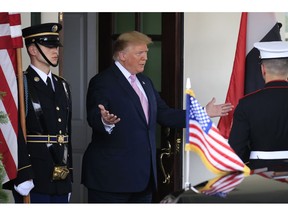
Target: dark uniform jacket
{"x": 260, "y": 121}
{"x": 125, "y": 160}
{"x": 48, "y": 113}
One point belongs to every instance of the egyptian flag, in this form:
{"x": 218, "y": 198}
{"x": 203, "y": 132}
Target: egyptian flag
{"x": 246, "y": 75}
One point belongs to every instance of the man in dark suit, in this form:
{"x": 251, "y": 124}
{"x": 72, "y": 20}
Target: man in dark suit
{"x": 119, "y": 165}
{"x": 48, "y": 122}
{"x": 259, "y": 133}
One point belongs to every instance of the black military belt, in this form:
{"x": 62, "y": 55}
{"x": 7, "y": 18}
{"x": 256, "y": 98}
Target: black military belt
{"x": 60, "y": 139}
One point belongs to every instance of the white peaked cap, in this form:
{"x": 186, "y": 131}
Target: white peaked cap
{"x": 272, "y": 49}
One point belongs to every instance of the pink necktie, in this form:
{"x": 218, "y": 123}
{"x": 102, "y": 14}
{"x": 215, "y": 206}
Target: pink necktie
{"x": 143, "y": 99}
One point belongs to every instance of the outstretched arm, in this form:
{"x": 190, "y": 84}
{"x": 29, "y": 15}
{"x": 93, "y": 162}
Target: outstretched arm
{"x": 218, "y": 110}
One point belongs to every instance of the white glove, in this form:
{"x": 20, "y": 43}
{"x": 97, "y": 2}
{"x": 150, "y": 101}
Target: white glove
{"x": 25, "y": 187}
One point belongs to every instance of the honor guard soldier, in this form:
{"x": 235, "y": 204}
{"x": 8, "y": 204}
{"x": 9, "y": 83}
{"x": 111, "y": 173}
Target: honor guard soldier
{"x": 259, "y": 132}
{"x": 48, "y": 119}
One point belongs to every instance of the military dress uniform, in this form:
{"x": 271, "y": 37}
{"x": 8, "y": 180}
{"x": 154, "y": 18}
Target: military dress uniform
{"x": 48, "y": 124}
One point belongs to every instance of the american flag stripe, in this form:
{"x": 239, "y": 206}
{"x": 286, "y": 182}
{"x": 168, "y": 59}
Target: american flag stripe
{"x": 10, "y": 31}
{"x": 10, "y": 40}
{"x": 214, "y": 151}
{"x": 9, "y": 82}
{"x": 213, "y": 141}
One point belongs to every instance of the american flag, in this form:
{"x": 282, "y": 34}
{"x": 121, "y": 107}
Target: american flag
{"x": 203, "y": 137}
{"x": 10, "y": 40}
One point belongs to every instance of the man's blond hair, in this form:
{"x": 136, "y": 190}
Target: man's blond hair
{"x": 127, "y": 38}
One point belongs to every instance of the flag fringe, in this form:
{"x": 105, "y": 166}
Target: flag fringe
{"x": 190, "y": 92}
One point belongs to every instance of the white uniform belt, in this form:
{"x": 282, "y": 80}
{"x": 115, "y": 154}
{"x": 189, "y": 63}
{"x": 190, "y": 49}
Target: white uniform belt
{"x": 269, "y": 155}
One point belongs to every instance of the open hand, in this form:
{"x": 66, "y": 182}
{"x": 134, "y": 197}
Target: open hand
{"x": 107, "y": 117}
{"x": 217, "y": 110}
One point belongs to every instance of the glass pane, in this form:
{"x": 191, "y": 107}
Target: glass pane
{"x": 124, "y": 22}
{"x": 158, "y": 136}
{"x": 35, "y": 18}
{"x": 153, "y": 65}
{"x": 151, "y": 23}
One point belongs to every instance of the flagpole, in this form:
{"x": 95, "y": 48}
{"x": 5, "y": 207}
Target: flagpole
{"x": 26, "y": 199}
{"x": 21, "y": 92}
{"x": 187, "y": 183}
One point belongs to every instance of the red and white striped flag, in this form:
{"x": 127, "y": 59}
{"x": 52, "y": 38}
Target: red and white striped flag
{"x": 246, "y": 75}
{"x": 203, "y": 137}
{"x": 10, "y": 40}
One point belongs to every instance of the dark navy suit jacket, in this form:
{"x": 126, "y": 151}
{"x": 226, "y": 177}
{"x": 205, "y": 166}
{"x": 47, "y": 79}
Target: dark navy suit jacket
{"x": 124, "y": 160}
